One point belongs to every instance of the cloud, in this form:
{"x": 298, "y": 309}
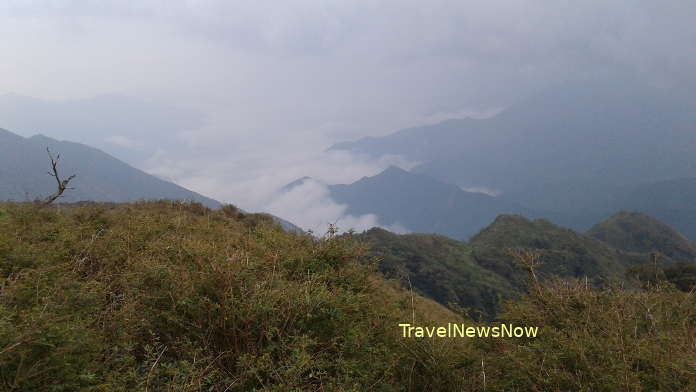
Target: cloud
{"x": 236, "y": 98}
{"x": 250, "y": 178}
{"x": 482, "y": 189}
{"x": 132, "y": 129}
{"x": 376, "y": 65}
{"x": 310, "y": 206}
{"x": 122, "y": 141}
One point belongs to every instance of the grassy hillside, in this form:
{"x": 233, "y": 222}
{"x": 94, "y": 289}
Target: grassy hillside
{"x": 563, "y": 252}
{"x": 164, "y": 296}
{"x": 439, "y": 268}
{"x": 161, "y": 296}
{"x": 596, "y": 340}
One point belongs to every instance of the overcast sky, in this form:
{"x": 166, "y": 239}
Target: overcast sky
{"x": 233, "y": 99}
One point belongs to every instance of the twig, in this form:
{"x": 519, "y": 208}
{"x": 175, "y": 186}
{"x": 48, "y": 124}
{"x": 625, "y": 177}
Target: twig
{"x": 413, "y": 307}
{"x": 147, "y": 383}
{"x": 62, "y": 184}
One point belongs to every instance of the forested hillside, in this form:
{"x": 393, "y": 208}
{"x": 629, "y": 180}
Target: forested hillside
{"x": 637, "y": 232}
{"x": 563, "y": 252}
{"x": 481, "y": 274}
{"x": 439, "y": 268}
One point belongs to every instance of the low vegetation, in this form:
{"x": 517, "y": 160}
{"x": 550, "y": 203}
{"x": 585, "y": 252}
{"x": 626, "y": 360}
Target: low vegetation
{"x": 681, "y": 275}
{"x": 163, "y": 296}
{"x": 597, "y": 340}
{"x": 439, "y": 268}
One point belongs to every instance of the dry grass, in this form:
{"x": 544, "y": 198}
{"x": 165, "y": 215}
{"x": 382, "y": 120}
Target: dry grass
{"x": 164, "y": 296}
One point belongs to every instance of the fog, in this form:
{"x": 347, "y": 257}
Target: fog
{"x": 234, "y": 99}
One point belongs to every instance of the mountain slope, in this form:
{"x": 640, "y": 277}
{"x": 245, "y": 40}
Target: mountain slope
{"x": 566, "y": 150}
{"x": 636, "y": 232}
{"x": 99, "y": 176}
{"x": 422, "y": 204}
{"x": 671, "y": 201}
{"x": 476, "y": 275}
{"x": 95, "y": 296}
{"x": 563, "y": 252}
{"x": 438, "y": 268}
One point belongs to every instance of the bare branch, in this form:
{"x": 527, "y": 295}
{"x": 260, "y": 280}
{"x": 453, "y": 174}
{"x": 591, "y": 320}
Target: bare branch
{"x": 528, "y": 259}
{"x": 62, "y": 184}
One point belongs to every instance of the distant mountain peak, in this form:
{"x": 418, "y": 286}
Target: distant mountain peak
{"x": 291, "y": 185}
{"x": 571, "y": 151}
{"x": 395, "y": 176}
{"x": 638, "y": 232}
{"x": 39, "y": 137}
{"x": 510, "y": 219}
{"x": 421, "y": 203}
{"x": 395, "y": 170}
{"x": 100, "y": 176}
{"x": 4, "y": 133}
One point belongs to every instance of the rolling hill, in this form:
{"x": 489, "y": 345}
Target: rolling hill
{"x": 478, "y": 275}
{"x": 637, "y": 232}
{"x": 563, "y": 252}
{"x": 438, "y": 268}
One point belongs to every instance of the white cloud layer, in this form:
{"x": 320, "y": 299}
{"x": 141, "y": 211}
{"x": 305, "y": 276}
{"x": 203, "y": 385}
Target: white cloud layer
{"x": 309, "y": 206}
{"x": 233, "y": 99}
{"x": 482, "y": 189}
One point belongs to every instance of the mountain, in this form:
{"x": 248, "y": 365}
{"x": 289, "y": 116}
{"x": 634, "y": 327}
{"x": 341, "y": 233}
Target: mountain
{"x": 637, "y": 232}
{"x": 289, "y": 186}
{"x": 671, "y": 201}
{"x": 422, "y": 204}
{"x": 99, "y": 176}
{"x": 479, "y": 274}
{"x": 126, "y": 127}
{"x": 566, "y": 150}
{"x": 438, "y": 268}
{"x": 287, "y": 225}
{"x": 563, "y": 252}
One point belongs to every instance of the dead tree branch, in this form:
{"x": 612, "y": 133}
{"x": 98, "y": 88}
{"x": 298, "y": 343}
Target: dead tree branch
{"x": 62, "y": 184}
{"x": 530, "y": 260}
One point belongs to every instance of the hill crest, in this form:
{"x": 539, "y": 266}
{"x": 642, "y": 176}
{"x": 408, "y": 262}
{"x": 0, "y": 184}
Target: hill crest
{"x": 638, "y": 232}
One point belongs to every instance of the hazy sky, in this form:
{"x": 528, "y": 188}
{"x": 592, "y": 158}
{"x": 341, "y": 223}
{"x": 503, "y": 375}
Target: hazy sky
{"x": 233, "y": 99}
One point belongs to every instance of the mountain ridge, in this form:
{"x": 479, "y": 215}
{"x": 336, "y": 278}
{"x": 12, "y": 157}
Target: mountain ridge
{"x": 421, "y": 204}
{"x": 99, "y": 176}
{"x": 638, "y": 232}
{"x": 574, "y": 150}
